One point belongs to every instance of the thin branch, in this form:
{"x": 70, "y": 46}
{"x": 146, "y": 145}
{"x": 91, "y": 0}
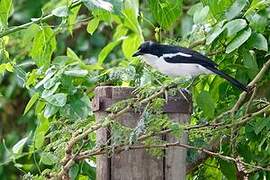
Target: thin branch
{"x": 257, "y": 79}
{"x": 38, "y": 20}
{"x": 251, "y": 99}
{"x": 100, "y": 151}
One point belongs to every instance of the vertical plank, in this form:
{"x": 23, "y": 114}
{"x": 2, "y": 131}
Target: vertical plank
{"x": 135, "y": 164}
{"x": 175, "y": 158}
{"x": 102, "y": 161}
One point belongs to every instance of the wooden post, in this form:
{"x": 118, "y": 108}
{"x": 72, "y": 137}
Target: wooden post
{"x": 138, "y": 164}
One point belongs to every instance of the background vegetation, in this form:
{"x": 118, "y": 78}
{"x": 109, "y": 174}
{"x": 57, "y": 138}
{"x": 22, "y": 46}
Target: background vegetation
{"x": 54, "y": 53}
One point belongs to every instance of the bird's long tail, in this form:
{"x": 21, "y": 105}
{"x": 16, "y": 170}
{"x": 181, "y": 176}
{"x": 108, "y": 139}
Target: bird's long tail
{"x": 229, "y": 78}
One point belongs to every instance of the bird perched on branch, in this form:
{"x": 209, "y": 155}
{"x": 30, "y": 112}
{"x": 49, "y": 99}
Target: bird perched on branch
{"x": 179, "y": 61}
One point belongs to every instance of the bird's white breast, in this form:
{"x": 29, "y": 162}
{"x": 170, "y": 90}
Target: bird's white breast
{"x": 175, "y": 69}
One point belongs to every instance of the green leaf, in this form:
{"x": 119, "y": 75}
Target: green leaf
{"x": 201, "y": 15}
{"x": 249, "y": 61}
{"x": 206, "y": 103}
{"x": 72, "y": 18}
{"x": 31, "y": 102}
{"x": 92, "y": 25}
{"x": 165, "y": 12}
{"x": 228, "y": 169}
{"x": 131, "y": 21}
{"x": 218, "y": 8}
{"x": 91, "y": 4}
{"x": 120, "y": 31}
{"x": 76, "y": 72}
{"x": 18, "y": 147}
{"x": 91, "y": 67}
{"x": 39, "y": 107}
{"x": 218, "y": 29}
{"x": 50, "y": 110}
{"x": 60, "y": 11}
{"x": 48, "y": 75}
{"x": 132, "y": 4}
{"x": 48, "y": 158}
{"x": 41, "y": 131}
{"x": 177, "y": 130}
{"x": 58, "y": 99}
{"x": 240, "y": 39}
{"x": 74, "y": 172}
{"x": 6, "y": 67}
{"x": 72, "y": 54}
{"x": 260, "y": 125}
{"x": 43, "y": 47}
{"x": 256, "y": 5}
{"x": 235, "y": 26}
{"x": 236, "y": 9}
{"x": 131, "y": 44}
{"x": 49, "y": 92}
{"x": 5, "y": 10}
{"x": 257, "y": 41}
{"x": 257, "y": 22}
{"x": 107, "y": 49}
{"x": 78, "y": 108}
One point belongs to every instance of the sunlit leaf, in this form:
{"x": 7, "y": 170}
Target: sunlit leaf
{"x": 49, "y": 92}
{"x": 92, "y": 25}
{"x": 200, "y": 15}
{"x": 76, "y": 72}
{"x": 43, "y": 47}
{"x": 107, "y": 49}
{"x": 60, "y": 11}
{"x": 235, "y": 26}
{"x": 72, "y": 54}
{"x": 218, "y": 29}
{"x": 40, "y": 132}
{"x": 218, "y": 8}
{"x": 131, "y": 44}
{"x": 90, "y": 4}
{"x": 239, "y": 40}
{"x": 5, "y": 10}
{"x": 72, "y": 17}
{"x": 166, "y": 12}
{"x": 31, "y": 102}
{"x": 58, "y": 99}
{"x": 50, "y": 110}
{"x": 257, "y": 22}
{"x": 18, "y": 147}
{"x": 236, "y": 9}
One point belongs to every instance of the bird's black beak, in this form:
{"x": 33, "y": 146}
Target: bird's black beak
{"x": 137, "y": 53}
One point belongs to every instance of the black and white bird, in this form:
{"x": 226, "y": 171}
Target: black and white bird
{"x": 180, "y": 61}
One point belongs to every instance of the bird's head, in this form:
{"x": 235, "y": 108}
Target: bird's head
{"x": 148, "y": 47}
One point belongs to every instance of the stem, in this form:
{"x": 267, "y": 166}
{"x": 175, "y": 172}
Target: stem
{"x": 38, "y": 20}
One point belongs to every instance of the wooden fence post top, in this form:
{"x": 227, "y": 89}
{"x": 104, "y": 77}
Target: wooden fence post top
{"x": 105, "y": 96}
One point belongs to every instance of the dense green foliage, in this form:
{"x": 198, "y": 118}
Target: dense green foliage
{"x": 54, "y": 53}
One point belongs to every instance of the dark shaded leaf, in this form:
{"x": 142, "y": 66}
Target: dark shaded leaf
{"x": 206, "y": 103}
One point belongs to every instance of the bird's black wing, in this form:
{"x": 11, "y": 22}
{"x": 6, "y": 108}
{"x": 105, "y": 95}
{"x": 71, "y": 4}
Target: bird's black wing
{"x": 189, "y": 56}
{"x": 195, "y": 57}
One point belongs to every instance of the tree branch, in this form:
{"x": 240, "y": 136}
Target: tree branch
{"x": 38, "y": 20}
